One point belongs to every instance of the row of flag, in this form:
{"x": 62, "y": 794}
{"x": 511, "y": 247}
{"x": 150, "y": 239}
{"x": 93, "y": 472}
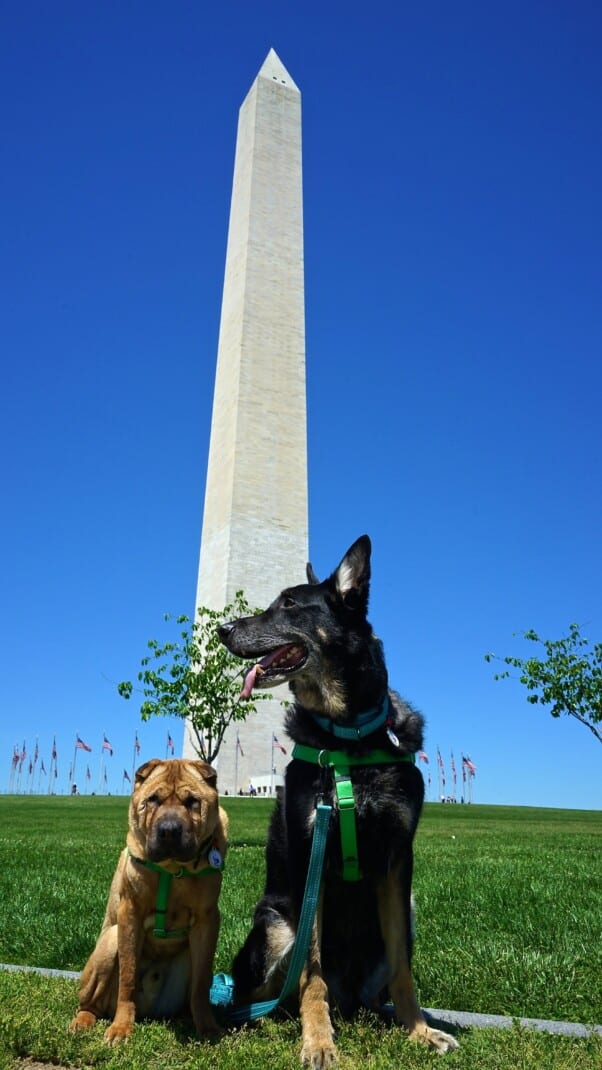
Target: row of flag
{"x": 19, "y": 758}
{"x": 468, "y": 766}
{"x": 23, "y": 772}
{"x": 469, "y": 771}
{"x": 275, "y": 744}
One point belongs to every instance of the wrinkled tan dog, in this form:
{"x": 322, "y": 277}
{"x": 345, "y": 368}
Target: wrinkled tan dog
{"x": 154, "y": 955}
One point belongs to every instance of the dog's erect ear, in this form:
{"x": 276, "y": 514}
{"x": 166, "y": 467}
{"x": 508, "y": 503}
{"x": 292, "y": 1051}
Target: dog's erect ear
{"x": 352, "y": 577}
{"x": 207, "y": 772}
{"x": 146, "y": 769}
{"x": 311, "y": 576}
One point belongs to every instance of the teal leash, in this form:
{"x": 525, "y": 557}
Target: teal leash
{"x": 222, "y": 989}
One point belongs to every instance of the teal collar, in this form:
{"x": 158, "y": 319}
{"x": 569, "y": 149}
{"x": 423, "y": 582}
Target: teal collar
{"x": 362, "y": 726}
{"x": 165, "y": 879}
{"x": 340, "y": 762}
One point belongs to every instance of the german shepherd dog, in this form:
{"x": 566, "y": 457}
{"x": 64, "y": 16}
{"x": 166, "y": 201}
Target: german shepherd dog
{"x": 316, "y": 636}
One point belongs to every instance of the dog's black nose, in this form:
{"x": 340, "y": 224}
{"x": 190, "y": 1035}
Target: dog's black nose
{"x": 224, "y": 630}
{"x": 169, "y": 830}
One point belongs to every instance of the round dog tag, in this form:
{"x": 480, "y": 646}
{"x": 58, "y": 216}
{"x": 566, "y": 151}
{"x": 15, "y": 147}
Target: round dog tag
{"x": 214, "y": 858}
{"x": 393, "y": 738}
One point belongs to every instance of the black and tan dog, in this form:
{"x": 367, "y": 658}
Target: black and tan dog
{"x": 317, "y": 637}
{"x": 154, "y": 955}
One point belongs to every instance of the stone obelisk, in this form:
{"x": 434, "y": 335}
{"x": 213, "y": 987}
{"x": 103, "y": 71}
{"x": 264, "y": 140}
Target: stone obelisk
{"x": 255, "y": 522}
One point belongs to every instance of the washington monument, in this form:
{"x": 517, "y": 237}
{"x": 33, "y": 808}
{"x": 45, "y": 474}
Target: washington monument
{"x": 255, "y": 523}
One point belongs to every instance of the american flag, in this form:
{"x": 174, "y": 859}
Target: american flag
{"x": 88, "y": 776}
{"x": 15, "y": 757}
{"x": 42, "y": 767}
{"x": 106, "y": 745}
{"x": 278, "y": 744}
{"x": 170, "y": 744}
{"x": 53, "y": 755}
{"x": 238, "y": 746}
{"x": 35, "y": 753}
{"x": 136, "y": 745}
{"x": 423, "y": 756}
{"x": 472, "y": 769}
{"x": 80, "y": 745}
{"x": 126, "y": 776}
{"x": 441, "y": 766}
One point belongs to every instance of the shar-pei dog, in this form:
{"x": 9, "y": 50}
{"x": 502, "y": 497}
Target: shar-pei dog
{"x": 154, "y": 956}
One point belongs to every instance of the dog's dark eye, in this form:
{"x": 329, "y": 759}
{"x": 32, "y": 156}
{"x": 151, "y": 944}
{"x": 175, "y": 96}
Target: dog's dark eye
{"x": 152, "y": 800}
{"x": 288, "y": 602}
{"x": 190, "y": 802}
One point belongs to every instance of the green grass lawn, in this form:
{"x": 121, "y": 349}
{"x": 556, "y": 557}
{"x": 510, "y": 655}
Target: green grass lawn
{"x": 509, "y": 921}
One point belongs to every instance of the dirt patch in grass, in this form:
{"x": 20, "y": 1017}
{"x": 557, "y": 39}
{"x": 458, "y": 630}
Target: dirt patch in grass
{"x": 32, "y": 1064}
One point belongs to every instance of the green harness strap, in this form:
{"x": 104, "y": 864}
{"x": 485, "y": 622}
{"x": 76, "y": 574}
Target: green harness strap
{"x": 340, "y": 762}
{"x": 165, "y": 879}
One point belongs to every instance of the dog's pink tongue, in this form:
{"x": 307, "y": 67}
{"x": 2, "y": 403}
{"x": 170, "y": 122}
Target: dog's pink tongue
{"x": 249, "y": 681}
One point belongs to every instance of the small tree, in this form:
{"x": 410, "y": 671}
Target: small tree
{"x": 196, "y": 678}
{"x": 568, "y": 679}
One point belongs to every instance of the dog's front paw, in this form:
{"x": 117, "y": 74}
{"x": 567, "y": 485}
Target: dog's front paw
{"x": 206, "y": 1026}
{"x": 82, "y": 1020}
{"x": 435, "y": 1038}
{"x": 319, "y": 1052}
{"x": 117, "y": 1032}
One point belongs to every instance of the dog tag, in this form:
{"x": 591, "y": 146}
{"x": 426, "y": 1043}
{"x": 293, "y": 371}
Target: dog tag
{"x": 393, "y": 738}
{"x": 214, "y": 858}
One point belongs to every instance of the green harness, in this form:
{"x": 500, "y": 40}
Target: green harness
{"x": 341, "y": 763}
{"x": 165, "y": 879}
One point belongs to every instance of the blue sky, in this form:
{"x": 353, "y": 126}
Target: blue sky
{"x": 453, "y": 236}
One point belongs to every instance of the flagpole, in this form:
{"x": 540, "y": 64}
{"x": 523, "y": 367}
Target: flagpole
{"x": 72, "y": 779}
{"x": 52, "y": 762}
{"x": 13, "y": 766}
{"x": 22, "y": 758}
{"x": 33, "y": 769}
{"x": 102, "y": 758}
{"x": 134, "y": 753}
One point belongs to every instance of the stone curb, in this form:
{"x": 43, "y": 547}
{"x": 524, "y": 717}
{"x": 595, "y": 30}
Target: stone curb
{"x": 460, "y": 1019}
{"x": 467, "y": 1020}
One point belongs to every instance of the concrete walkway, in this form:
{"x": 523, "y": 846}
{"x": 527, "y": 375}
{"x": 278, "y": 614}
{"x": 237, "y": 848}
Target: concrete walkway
{"x": 459, "y": 1019}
